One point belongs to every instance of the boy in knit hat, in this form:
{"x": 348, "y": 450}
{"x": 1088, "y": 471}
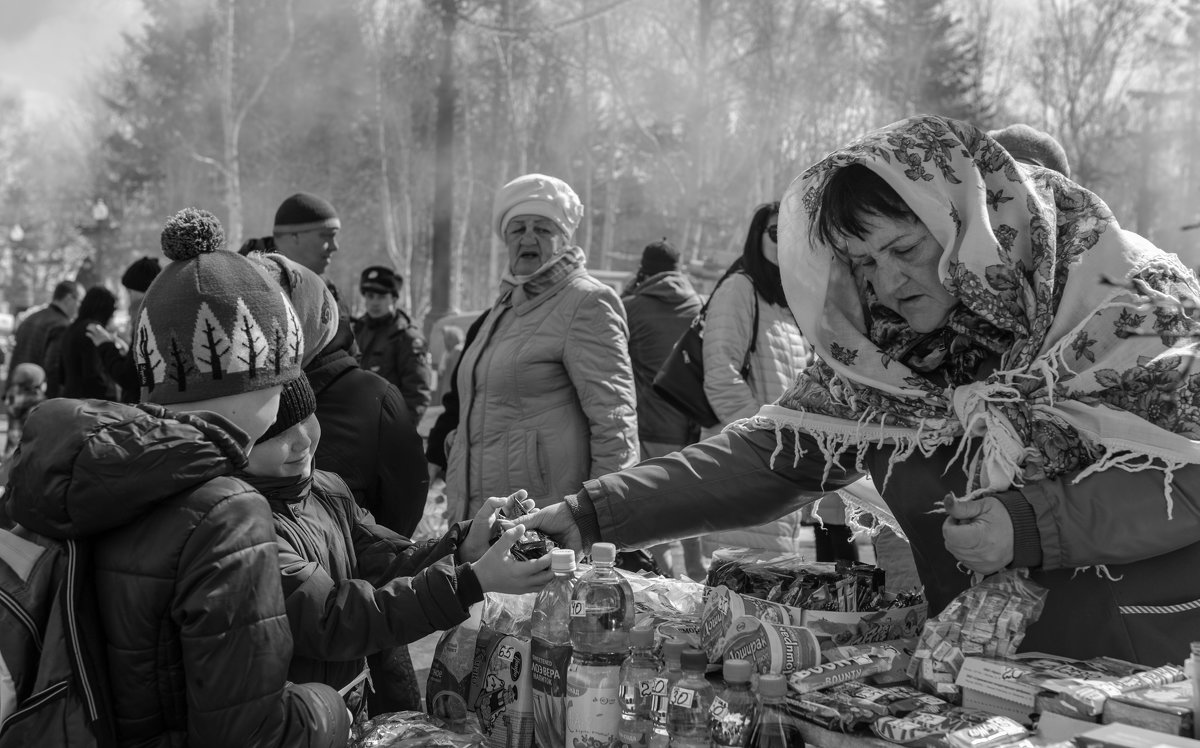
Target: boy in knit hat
{"x": 353, "y": 587}
{"x": 185, "y": 566}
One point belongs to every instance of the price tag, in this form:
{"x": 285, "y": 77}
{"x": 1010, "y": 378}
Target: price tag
{"x": 577, "y": 609}
{"x": 506, "y": 652}
{"x": 682, "y": 697}
{"x": 658, "y": 695}
{"x": 718, "y": 708}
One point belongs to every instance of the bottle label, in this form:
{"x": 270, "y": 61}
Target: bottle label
{"x": 683, "y": 697}
{"x": 593, "y": 714}
{"x": 548, "y": 673}
{"x": 729, "y": 727}
{"x": 718, "y": 708}
{"x": 658, "y": 699}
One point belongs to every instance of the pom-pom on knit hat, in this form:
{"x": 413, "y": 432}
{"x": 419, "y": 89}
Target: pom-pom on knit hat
{"x": 311, "y": 299}
{"x": 141, "y": 274}
{"x": 213, "y": 323}
{"x": 296, "y": 403}
{"x": 538, "y": 195}
{"x": 305, "y": 212}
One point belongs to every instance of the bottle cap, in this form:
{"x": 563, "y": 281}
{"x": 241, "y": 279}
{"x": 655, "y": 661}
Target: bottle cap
{"x": 772, "y": 685}
{"x": 562, "y": 560}
{"x": 737, "y": 671}
{"x": 672, "y": 649}
{"x": 694, "y": 660}
{"x": 641, "y": 638}
{"x": 604, "y": 553}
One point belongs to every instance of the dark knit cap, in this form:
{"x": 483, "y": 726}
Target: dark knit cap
{"x": 381, "y": 279}
{"x": 659, "y": 257}
{"x": 305, "y": 212}
{"x": 213, "y": 323}
{"x": 1025, "y": 143}
{"x": 141, "y": 274}
{"x": 296, "y": 403}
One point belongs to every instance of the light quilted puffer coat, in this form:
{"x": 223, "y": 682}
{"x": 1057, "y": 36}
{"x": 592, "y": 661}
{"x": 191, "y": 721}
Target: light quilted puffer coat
{"x": 780, "y": 353}
{"x": 547, "y": 396}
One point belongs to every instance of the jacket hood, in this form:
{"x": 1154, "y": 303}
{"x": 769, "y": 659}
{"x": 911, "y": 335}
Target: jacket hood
{"x": 671, "y": 287}
{"x": 88, "y": 466}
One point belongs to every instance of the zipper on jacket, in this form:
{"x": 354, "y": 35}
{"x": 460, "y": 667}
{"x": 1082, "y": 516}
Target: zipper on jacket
{"x": 35, "y": 701}
{"x": 11, "y": 603}
{"x": 73, "y": 630}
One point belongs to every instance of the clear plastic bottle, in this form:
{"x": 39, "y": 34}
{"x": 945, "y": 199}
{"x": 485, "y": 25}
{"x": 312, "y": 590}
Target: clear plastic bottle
{"x": 660, "y": 692}
{"x": 776, "y": 728}
{"x": 691, "y": 698}
{"x": 601, "y": 617}
{"x": 735, "y": 711}
{"x": 637, "y": 675}
{"x": 550, "y": 650}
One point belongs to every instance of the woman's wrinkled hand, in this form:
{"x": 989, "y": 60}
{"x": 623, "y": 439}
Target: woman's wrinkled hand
{"x": 98, "y": 335}
{"x": 979, "y": 533}
{"x": 498, "y": 571}
{"x": 557, "y": 522}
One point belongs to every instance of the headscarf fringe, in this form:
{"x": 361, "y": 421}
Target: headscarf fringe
{"x": 1135, "y": 462}
{"x": 1101, "y": 571}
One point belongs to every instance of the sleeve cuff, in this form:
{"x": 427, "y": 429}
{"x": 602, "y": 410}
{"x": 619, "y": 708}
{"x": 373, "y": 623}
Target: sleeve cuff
{"x": 583, "y": 511}
{"x": 1027, "y": 540}
{"x": 469, "y": 590}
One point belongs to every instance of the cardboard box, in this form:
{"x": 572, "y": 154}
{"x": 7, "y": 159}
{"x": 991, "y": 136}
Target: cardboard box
{"x": 1160, "y": 708}
{"x": 1118, "y": 735}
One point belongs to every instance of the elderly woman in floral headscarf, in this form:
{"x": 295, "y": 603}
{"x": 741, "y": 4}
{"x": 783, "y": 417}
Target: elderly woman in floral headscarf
{"x": 545, "y": 385}
{"x": 993, "y": 343}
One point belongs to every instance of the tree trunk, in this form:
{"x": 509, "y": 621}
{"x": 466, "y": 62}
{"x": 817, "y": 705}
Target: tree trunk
{"x": 385, "y": 187}
{"x": 229, "y": 150}
{"x": 443, "y": 192}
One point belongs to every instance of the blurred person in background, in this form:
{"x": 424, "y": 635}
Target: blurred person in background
{"x": 36, "y": 338}
{"x": 389, "y": 344}
{"x": 748, "y": 308}
{"x": 452, "y": 348}
{"x": 660, "y": 305}
{"x": 81, "y": 373}
{"x": 545, "y": 386}
{"x": 116, "y": 356}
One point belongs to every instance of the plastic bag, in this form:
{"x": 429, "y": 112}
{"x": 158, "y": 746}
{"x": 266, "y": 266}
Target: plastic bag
{"x": 987, "y": 620}
{"x": 411, "y": 730}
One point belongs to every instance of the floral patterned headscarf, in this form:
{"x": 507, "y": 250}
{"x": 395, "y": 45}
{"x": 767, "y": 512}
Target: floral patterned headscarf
{"x": 1088, "y": 374}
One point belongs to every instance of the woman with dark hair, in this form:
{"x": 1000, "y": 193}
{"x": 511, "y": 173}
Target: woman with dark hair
{"x": 749, "y": 312}
{"x": 81, "y": 371}
{"x": 1014, "y": 370}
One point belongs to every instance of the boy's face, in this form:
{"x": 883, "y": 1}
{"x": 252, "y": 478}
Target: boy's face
{"x": 252, "y": 412}
{"x": 288, "y": 454}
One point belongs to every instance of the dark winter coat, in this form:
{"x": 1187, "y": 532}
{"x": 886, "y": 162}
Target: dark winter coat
{"x": 393, "y": 348}
{"x": 121, "y": 367}
{"x": 82, "y": 373}
{"x": 186, "y": 574}
{"x": 368, "y": 437}
{"x": 660, "y": 309}
{"x": 36, "y": 342}
{"x": 353, "y": 587}
{"x": 1145, "y": 607}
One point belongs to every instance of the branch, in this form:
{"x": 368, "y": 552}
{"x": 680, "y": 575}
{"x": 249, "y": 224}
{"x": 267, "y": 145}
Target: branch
{"x": 197, "y": 156}
{"x": 549, "y": 28}
{"x": 270, "y": 71}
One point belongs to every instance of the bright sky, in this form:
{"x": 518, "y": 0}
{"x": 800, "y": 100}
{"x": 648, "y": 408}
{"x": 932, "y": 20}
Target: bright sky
{"x": 49, "y": 48}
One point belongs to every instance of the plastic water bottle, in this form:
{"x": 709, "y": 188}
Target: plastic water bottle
{"x": 734, "y": 712}
{"x": 550, "y": 650}
{"x": 601, "y": 617}
{"x": 637, "y": 675}
{"x": 660, "y": 692}
{"x": 776, "y": 728}
{"x": 691, "y": 698}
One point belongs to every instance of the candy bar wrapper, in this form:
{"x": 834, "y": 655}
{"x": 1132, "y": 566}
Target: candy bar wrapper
{"x": 995, "y": 732}
{"x": 772, "y": 647}
{"x": 831, "y": 673}
{"x": 833, "y": 711}
{"x": 889, "y": 701}
{"x": 1089, "y": 696}
{"x": 928, "y": 729}
{"x": 901, "y": 651}
{"x": 724, "y": 606}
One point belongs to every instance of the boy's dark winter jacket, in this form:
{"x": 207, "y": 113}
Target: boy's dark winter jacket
{"x": 186, "y": 573}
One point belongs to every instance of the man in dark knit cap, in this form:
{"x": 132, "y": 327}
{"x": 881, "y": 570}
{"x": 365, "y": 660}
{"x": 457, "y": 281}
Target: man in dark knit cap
{"x": 306, "y": 229}
{"x": 389, "y": 344}
{"x": 115, "y": 357}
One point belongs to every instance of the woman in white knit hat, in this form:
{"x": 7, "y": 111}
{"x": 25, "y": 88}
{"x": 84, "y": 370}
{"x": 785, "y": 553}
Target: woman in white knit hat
{"x": 545, "y": 387}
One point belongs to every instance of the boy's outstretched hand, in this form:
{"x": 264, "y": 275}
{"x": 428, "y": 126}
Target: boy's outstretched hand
{"x": 498, "y": 571}
{"x": 480, "y": 535}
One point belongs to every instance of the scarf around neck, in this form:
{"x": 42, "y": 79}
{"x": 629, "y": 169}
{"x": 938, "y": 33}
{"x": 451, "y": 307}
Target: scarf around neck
{"x": 551, "y": 272}
{"x": 1085, "y": 374}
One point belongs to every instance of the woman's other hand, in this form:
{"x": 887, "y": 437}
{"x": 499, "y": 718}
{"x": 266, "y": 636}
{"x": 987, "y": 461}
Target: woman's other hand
{"x": 479, "y": 536}
{"x": 498, "y": 571}
{"x": 557, "y": 522}
{"x": 979, "y": 533}
{"x": 98, "y": 335}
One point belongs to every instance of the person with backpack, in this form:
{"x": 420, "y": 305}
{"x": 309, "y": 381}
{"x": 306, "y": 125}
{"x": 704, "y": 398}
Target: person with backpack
{"x": 747, "y": 321}
{"x": 179, "y": 553}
